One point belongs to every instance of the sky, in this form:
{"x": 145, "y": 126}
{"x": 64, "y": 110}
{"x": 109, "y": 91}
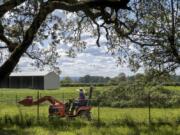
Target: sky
{"x": 93, "y": 61}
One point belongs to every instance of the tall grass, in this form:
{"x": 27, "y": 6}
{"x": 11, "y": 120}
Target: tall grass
{"x": 18, "y": 120}
{"x": 130, "y": 121}
{"x": 126, "y": 126}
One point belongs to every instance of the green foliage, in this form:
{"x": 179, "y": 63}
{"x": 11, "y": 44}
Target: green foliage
{"x": 157, "y": 35}
{"x": 66, "y": 80}
{"x": 116, "y": 80}
{"x": 176, "y": 78}
{"x": 139, "y": 95}
{"x": 156, "y": 77}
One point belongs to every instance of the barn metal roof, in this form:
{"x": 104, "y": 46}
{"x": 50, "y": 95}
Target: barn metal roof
{"x": 30, "y": 73}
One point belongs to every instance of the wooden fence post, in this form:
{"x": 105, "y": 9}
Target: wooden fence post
{"x": 16, "y": 99}
{"x": 63, "y": 97}
{"x": 98, "y": 114}
{"x": 149, "y": 107}
{"x": 38, "y": 107}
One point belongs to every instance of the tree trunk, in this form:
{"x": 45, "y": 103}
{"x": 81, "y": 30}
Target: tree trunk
{"x": 10, "y": 64}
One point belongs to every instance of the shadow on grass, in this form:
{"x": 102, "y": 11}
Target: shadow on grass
{"x": 27, "y": 121}
{"x": 8, "y": 132}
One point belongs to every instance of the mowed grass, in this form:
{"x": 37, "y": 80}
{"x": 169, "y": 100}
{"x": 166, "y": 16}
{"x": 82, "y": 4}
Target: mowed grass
{"x": 19, "y": 120}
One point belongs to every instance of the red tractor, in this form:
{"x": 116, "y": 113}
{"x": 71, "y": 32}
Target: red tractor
{"x": 61, "y": 109}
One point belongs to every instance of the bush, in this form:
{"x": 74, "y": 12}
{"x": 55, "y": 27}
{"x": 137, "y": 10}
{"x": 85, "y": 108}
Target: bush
{"x": 133, "y": 95}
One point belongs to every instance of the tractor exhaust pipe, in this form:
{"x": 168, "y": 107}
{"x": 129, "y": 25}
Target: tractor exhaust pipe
{"x": 90, "y": 92}
{"x": 90, "y": 95}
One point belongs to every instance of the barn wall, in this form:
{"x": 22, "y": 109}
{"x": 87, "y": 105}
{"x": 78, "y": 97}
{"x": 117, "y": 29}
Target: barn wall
{"x": 15, "y": 82}
{"x": 31, "y": 82}
{"x": 51, "y": 81}
{"x": 26, "y": 82}
{"x": 20, "y": 82}
{"x": 38, "y": 82}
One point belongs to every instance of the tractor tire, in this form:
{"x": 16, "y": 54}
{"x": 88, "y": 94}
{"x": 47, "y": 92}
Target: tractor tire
{"x": 85, "y": 115}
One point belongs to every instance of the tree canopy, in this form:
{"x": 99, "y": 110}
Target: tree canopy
{"x": 157, "y": 34}
{"x": 26, "y": 21}
{"x": 138, "y": 31}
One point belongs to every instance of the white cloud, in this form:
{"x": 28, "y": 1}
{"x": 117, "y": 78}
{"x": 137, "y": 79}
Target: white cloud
{"x": 178, "y": 71}
{"x": 93, "y": 61}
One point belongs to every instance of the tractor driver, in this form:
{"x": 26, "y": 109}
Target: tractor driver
{"x": 81, "y": 94}
{"x": 82, "y": 98}
{"x": 80, "y": 102}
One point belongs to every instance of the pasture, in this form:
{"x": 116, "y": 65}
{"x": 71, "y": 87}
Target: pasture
{"x": 63, "y": 92}
{"x": 16, "y": 119}
{"x": 172, "y": 87}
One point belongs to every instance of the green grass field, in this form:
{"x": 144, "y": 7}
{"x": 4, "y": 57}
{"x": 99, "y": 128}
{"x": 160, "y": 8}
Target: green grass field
{"x": 64, "y": 93}
{"x": 18, "y": 120}
{"x": 172, "y": 87}
{"x": 129, "y": 121}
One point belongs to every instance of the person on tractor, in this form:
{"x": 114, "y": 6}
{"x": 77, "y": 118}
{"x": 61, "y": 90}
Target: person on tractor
{"x": 80, "y": 102}
{"x": 81, "y": 94}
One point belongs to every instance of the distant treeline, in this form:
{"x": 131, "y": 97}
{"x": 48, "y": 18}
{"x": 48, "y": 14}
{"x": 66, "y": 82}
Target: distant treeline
{"x": 87, "y": 80}
{"x": 83, "y": 84}
{"x": 94, "y": 79}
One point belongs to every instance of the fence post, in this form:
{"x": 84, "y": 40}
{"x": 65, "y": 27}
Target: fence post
{"x": 16, "y": 99}
{"x": 149, "y": 107}
{"x": 98, "y": 114}
{"x": 38, "y": 107}
{"x": 63, "y": 96}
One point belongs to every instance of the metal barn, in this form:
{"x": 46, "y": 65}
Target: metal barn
{"x": 32, "y": 80}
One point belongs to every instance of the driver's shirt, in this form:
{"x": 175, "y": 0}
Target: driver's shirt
{"x": 81, "y": 95}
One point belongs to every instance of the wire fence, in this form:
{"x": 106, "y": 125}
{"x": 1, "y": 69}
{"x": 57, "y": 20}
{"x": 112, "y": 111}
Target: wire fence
{"x": 154, "y": 108}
